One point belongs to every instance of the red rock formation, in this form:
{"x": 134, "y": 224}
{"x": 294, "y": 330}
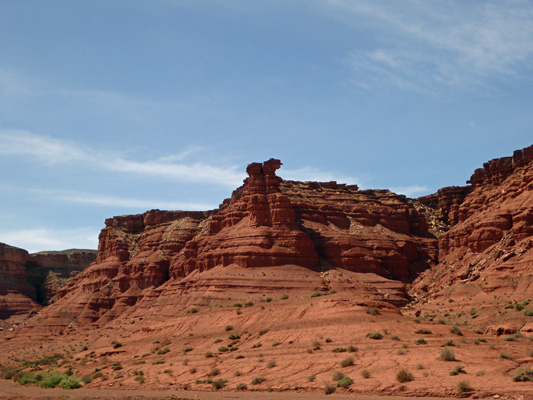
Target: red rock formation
{"x": 267, "y": 222}
{"x": 28, "y": 281}
{"x": 488, "y": 248}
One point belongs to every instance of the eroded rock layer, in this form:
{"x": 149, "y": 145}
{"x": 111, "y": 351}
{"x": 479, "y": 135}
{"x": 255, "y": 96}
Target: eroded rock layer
{"x": 28, "y": 281}
{"x": 147, "y": 259}
{"x": 488, "y": 249}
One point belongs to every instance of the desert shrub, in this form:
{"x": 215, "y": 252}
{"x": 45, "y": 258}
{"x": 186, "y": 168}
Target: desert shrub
{"x": 70, "y": 382}
{"x": 448, "y": 342}
{"x": 317, "y": 294}
{"x": 528, "y": 313}
{"x": 223, "y": 349}
{"x": 329, "y": 389}
{"x": 353, "y": 349}
{"x": 507, "y": 356}
{"x": 464, "y": 387}
{"x": 238, "y": 305}
{"x": 284, "y": 297}
{"x": 344, "y": 382}
{"x": 86, "y": 379}
{"x": 456, "y": 331}
{"x": 139, "y": 379}
{"x": 316, "y": 345}
{"x": 249, "y": 304}
{"x": 271, "y": 364}
{"x": 337, "y": 376}
{"x": 239, "y": 357}
{"x": 478, "y": 331}
{"x": 372, "y": 310}
{"x": 193, "y": 310}
{"x": 165, "y": 350}
{"x": 208, "y": 354}
{"x": 8, "y": 372}
{"x": 228, "y": 328}
{"x": 218, "y": 340}
{"x": 421, "y": 341}
{"x": 340, "y": 350}
{"x": 513, "y": 337}
{"x": 257, "y": 380}
{"x": 263, "y": 331}
{"x": 395, "y": 337}
{"x": 185, "y": 350}
{"x": 28, "y": 377}
{"x": 457, "y": 370}
{"x": 332, "y": 291}
{"x": 242, "y": 386}
{"x": 423, "y": 331}
{"x": 328, "y": 340}
{"x": 508, "y": 307}
{"x": 234, "y": 336}
{"x": 51, "y": 380}
{"x": 519, "y": 307}
{"x": 347, "y": 362}
{"x": 404, "y": 376}
{"x": 480, "y": 340}
{"x": 116, "y": 366}
{"x": 311, "y": 378}
{"x": 374, "y": 335}
{"x": 214, "y": 372}
{"x": 366, "y": 373}
{"x": 276, "y": 344}
{"x": 524, "y": 375}
{"x": 447, "y": 354}
{"x": 420, "y": 366}
{"x": 268, "y": 299}
{"x": 255, "y": 346}
{"x": 116, "y": 344}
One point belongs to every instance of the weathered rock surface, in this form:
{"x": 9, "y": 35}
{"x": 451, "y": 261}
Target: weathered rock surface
{"x": 488, "y": 249}
{"x": 267, "y": 222}
{"x": 27, "y": 281}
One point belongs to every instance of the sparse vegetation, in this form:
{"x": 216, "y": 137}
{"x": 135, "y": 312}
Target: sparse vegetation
{"x": 317, "y": 294}
{"x": 208, "y": 354}
{"x": 404, "y": 376}
{"x": 193, "y": 310}
{"x": 423, "y": 331}
{"x": 420, "y": 341}
{"x": 464, "y": 387}
{"x": 257, "y": 380}
{"x": 456, "y": 331}
{"x": 457, "y": 370}
{"x": 372, "y": 310}
{"x": 242, "y": 386}
{"x": 447, "y": 354}
{"x": 366, "y": 373}
{"x": 228, "y": 328}
{"x": 285, "y": 297}
{"x": 374, "y": 335}
{"x": 337, "y": 376}
{"x": 344, "y": 382}
{"x": 271, "y": 364}
{"x": 524, "y": 375}
{"x": 347, "y": 362}
{"x": 219, "y": 383}
{"x": 329, "y": 389}
{"x": 340, "y": 350}
{"x": 165, "y": 350}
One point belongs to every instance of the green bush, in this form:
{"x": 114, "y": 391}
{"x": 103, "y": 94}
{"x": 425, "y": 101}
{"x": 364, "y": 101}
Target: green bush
{"x": 193, "y": 310}
{"x": 423, "y": 331}
{"x": 257, "y": 380}
{"x": 366, "y": 373}
{"x": 374, "y": 335}
{"x": 456, "y": 331}
{"x": 457, "y": 370}
{"x": 329, "y": 389}
{"x": 271, "y": 364}
{"x": 340, "y": 350}
{"x": 447, "y": 354}
{"x": 372, "y": 310}
{"x": 242, "y": 386}
{"x": 234, "y": 336}
{"x": 337, "y": 376}
{"x": 70, "y": 382}
{"x": 51, "y": 380}
{"x": 214, "y": 372}
{"x": 223, "y": 349}
{"x": 165, "y": 350}
{"x": 524, "y": 375}
{"x": 353, "y": 349}
{"x": 317, "y": 294}
{"x": 463, "y": 387}
{"x": 228, "y": 328}
{"x": 528, "y": 313}
{"x": 420, "y": 341}
{"x": 404, "y": 376}
{"x": 344, "y": 382}
{"x": 28, "y": 377}
{"x": 208, "y": 354}
{"x": 347, "y": 362}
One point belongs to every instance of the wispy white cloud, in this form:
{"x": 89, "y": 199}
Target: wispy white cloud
{"x": 51, "y": 239}
{"x": 50, "y": 150}
{"x": 431, "y": 46}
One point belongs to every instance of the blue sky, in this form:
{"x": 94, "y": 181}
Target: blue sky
{"x": 111, "y": 107}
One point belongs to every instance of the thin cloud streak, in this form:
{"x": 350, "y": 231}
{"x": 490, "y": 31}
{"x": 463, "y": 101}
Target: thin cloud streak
{"x": 54, "y": 151}
{"x": 443, "y": 45}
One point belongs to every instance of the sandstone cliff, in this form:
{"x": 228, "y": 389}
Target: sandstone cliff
{"x": 488, "y": 248}
{"x": 154, "y": 258}
{"x": 28, "y": 281}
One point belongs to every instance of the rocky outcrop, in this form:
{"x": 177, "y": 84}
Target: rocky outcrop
{"x": 28, "y": 281}
{"x": 268, "y": 222}
{"x": 488, "y": 247}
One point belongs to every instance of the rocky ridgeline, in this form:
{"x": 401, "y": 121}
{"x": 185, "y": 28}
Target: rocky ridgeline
{"x": 267, "y": 222}
{"x": 28, "y": 281}
{"x": 488, "y": 248}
